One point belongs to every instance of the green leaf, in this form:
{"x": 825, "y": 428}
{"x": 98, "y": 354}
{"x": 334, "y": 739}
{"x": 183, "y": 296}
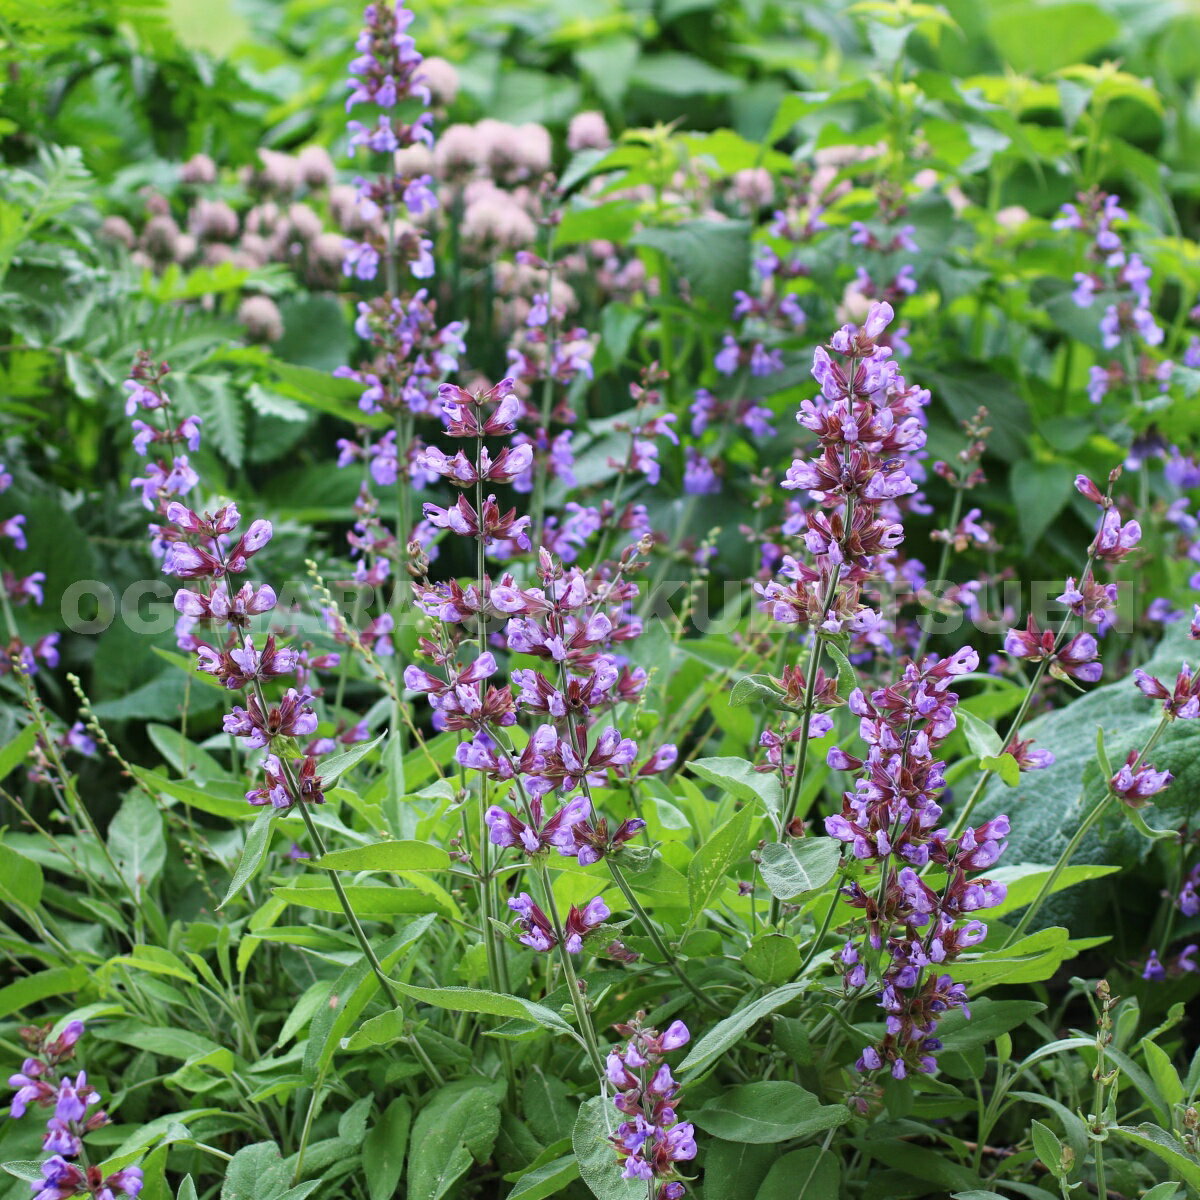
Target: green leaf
{"x": 366, "y": 901}
{"x": 594, "y": 1152}
{"x": 387, "y": 856}
{"x": 349, "y": 994}
{"x": 608, "y": 63}
{"x": 1024, "y": 881}
{"x": 336, "y": 765}
{"x": 477, "y": 1000}
{"x": 763, "y": 1113}
{"x": 708, "y": 872}
{"x": 989, "y": 1020}
{"x": 258, "y": 840}
{"x": 1167, "y": 1147}
{"x": 136, "y": 842}
{"x": 1037, "y": 38}
{"x": 58, "y": 981}
{"x": 28, "y": 1169}
{"x": 729, "y": 1032}
{"x": 1005, "y": 766}
{"x": 21, "y": 879}
{"x": 809, "y": 1174}
{"x": 1055, "y": 799}
{"x": 547, "y": 1180}
{"x": 227, "y": 801}
{"x": 676, "y": 74}
{"x": 1047, "y": 1147}
{"x": 256, "y": 1172}
{"x": 456, "y": 1125}
{"x": 739, "y": 778}
{"x": 17, "y": 751}
{"x": 1040, "y": 492}
{"x": 772, "y": 958}
{"x": 733, "y": 1170}
{"x": 384, "y": 1147}
{"x": 1163, "y": 1072}
{"x": 713, "y": 256}
{"x": 755, "y": 689}
{"x": 797, "y": 868}
{"x": 984, "y": 741}
{"x": 1029, "y": 960}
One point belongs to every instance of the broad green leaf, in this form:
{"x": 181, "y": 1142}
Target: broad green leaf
{"x": 713, "y": 256}
{"x": 984, "y": 741}
{"x": 547, "y": 1180}
{"x": 384, "y": 1147}
{"x": 1166, "y": 1146}
{"x": 989, "y": 1020}
{"x": 387, "y": 856}
{"x": 258, "y": 840}
{"x": 755, "y": 689}
{"x": 17, "y": 751}
{"x": 497, "y": 1004}
{"x": 1029, "y": 960}
{"x": 708, "y": 872}
{"x": 772, "y": 958}
{"x": 21, "y": 879}
{"x": 58, "y": 981}
{"x": 350, "y": 993}
{"x": 729, "y": 1032}
{"x": 739, "y": 778}
{"x": 772, "y": 1111}
{"x": 799, "y": 867}
{"x": 136, "y": 842}
{"x": 1038, "y": 38}
{"x": 1047, "y": 1147}
{"x": 336, "y": 765}
{"x": 255, "y": 1172}
{"x": 454, "y": 1126}
{"x": 227, "y": 801}
{"x": 1025, "y": 880}
{"x": 1005, "y": 766}
{"x": 594, "y": 1152}
{"x": 733, "y": 1170}
{"x": 1162, "y": 1071}
{"x": 366, "y": 901}
{"x": 808, "y": 1174}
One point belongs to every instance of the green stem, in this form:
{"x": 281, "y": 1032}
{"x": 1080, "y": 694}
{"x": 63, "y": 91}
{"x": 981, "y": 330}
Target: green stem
{"x": 652, "y": 932}
{"x": 1080, "y": 833}
{"x": 583, "y": 1016}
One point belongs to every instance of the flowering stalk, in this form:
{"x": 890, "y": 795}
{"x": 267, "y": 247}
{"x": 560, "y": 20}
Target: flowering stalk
{"x": 1051, "y": 651}
{"x": 866, "y": 421}
{"x": 652, "y": 1139}
{"x": 41, "y": 1082}
{"x": 199, "y": 547}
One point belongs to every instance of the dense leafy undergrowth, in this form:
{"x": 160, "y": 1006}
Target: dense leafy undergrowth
{"x": 655, "y": 664}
